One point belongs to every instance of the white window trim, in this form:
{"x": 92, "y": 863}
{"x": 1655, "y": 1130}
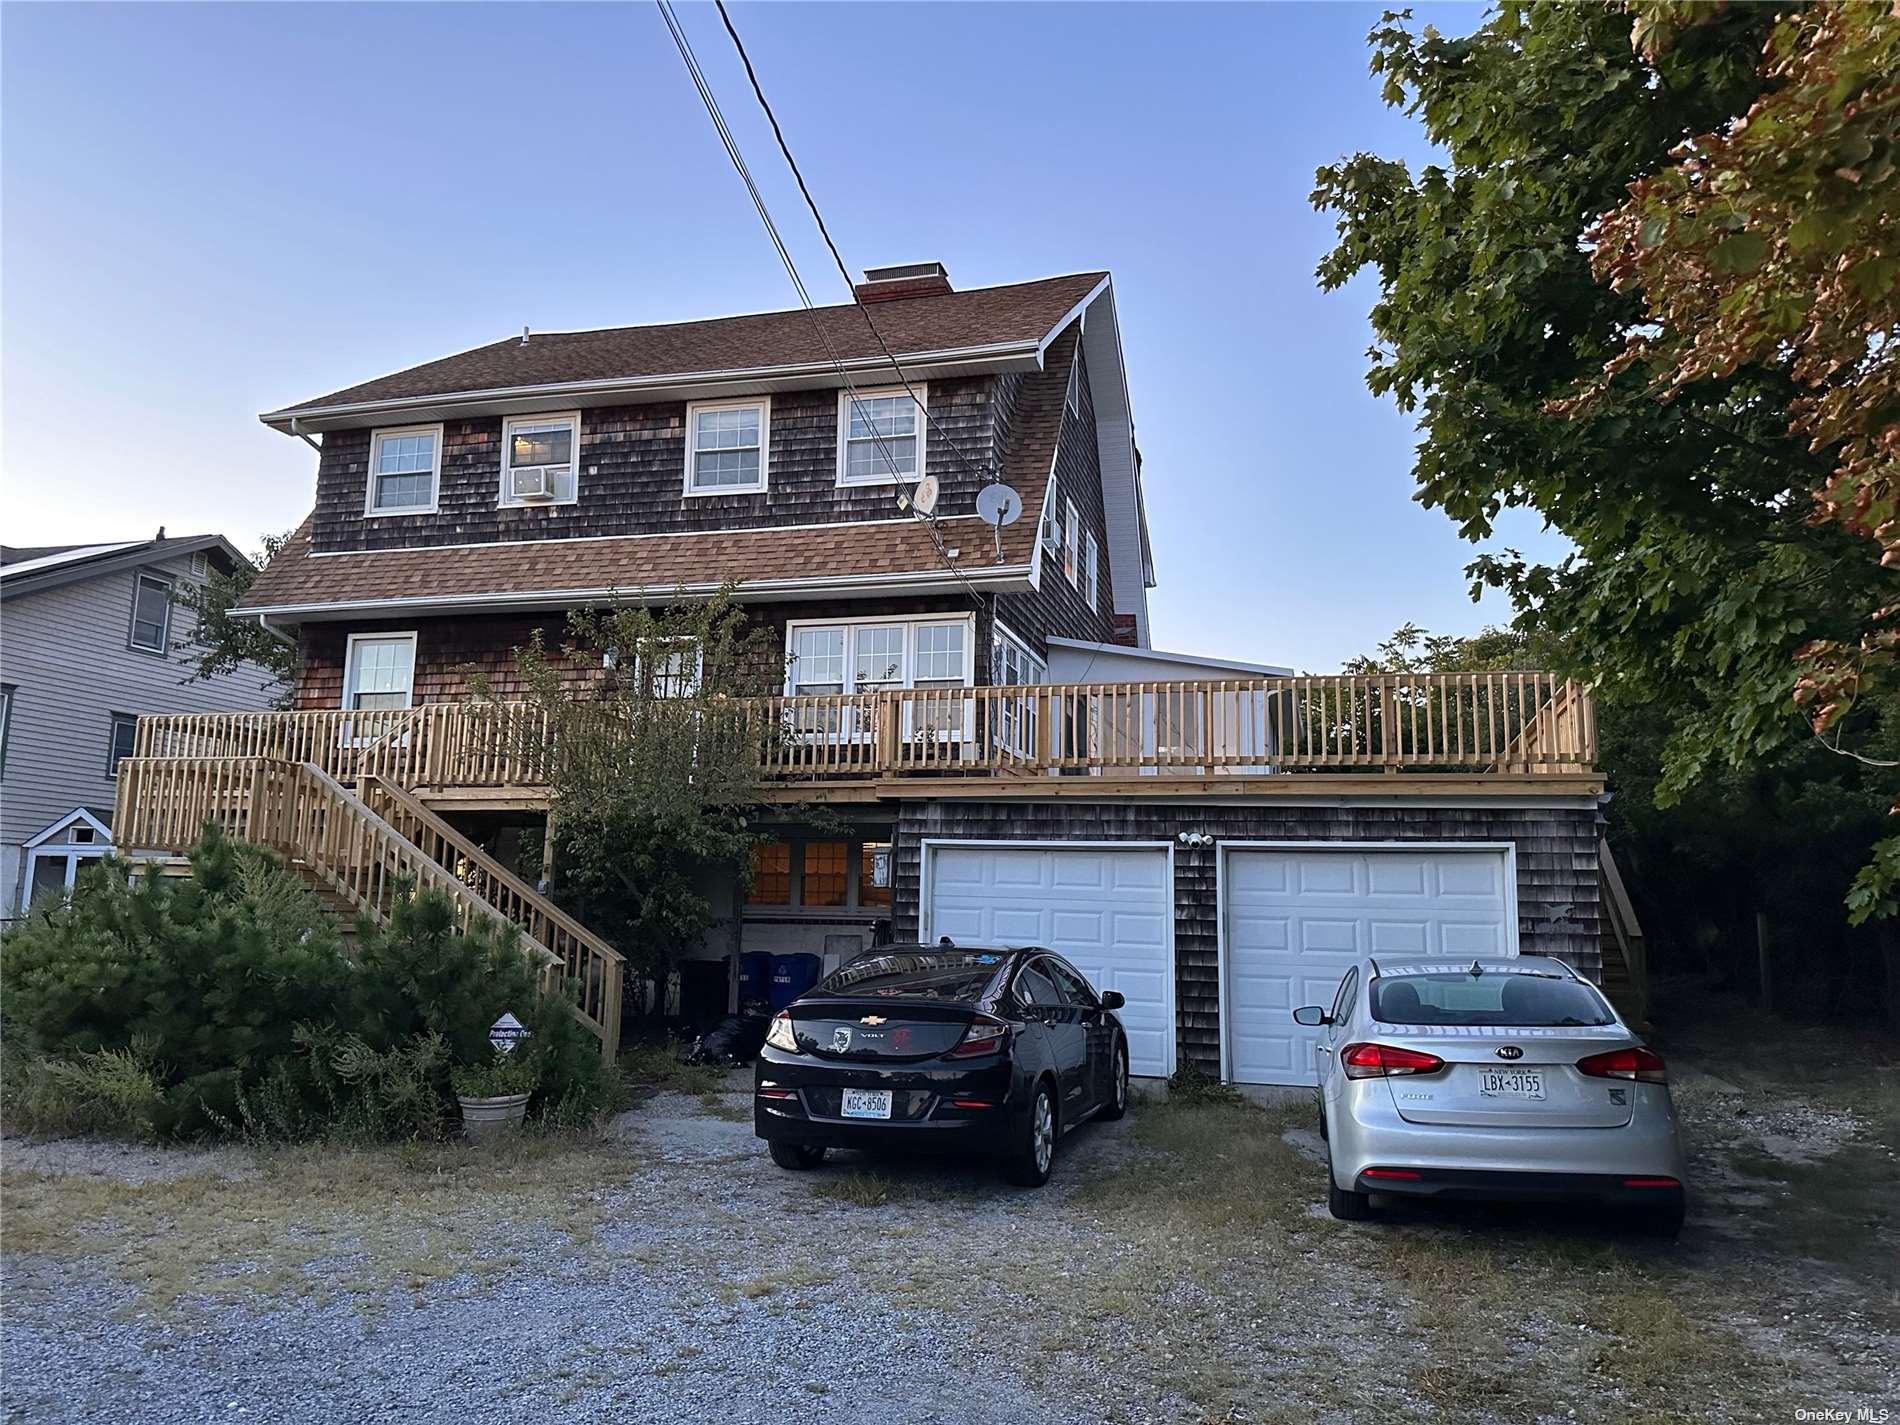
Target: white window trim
{"x": 504, "y": 501}
{"x": 1001, "y": 632}
{"x": 140, "y": 578}
{"x": 376, "y": 438}
{"x": 1092, "y": 571}
{"x": 922, "y": 393}
{"x": 968, "y": 621}
{"x": 1071, "y": 545}
{"x": 350, "y": 668}
{"x": 1072, "y": 398}
{"x": 764, "y": 404}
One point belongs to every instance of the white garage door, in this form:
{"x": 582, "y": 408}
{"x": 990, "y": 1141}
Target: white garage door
{"x": 1108, "y": 912}
{"x": 1297, "y": 918}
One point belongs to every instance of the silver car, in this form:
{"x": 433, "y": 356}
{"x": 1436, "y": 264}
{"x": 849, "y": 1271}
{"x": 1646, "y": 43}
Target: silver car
{"x": 1497, "y": 1079}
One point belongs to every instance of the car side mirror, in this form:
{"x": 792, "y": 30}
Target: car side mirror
{"x": 1312, "y": 1016}
{"x": 1113, "y": 999}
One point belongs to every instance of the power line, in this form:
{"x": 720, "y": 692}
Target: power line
{"x": 734, "y": 153}
{"x": 837, "y": 258}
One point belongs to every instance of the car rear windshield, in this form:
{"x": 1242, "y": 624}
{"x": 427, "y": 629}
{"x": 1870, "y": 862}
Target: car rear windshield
{"x": 959, "y": 975}
{"x": 1520, "y": 1000}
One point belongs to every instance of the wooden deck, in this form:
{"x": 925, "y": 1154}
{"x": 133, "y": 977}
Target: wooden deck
{"x": 1497, "y": 733}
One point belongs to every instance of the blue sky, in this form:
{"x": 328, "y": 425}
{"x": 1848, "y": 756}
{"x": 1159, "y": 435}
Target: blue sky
{"x": 212, "y": 211}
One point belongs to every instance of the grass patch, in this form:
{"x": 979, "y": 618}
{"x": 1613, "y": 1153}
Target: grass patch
{"x": 720, "y": 1105}
{"x": 316, "y": 1221}
{"x": 658, "y": 1066}
{"x": 867, "y": 1188}
{"x": 1210, "y": 1165}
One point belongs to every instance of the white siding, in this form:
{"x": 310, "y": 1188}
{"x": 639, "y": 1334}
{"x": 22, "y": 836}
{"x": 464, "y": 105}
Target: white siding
{"x": 64, "y": 651}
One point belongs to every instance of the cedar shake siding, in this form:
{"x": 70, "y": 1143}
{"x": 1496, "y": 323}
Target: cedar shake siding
{"x": 1557, "y": 899}
{"x": 632, "y": 476}
{"x": 1057, "y": 606}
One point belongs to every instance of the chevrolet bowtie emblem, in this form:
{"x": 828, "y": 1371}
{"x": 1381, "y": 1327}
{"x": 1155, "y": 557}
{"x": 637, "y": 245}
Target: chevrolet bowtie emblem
{"x": 872, "y": 1019}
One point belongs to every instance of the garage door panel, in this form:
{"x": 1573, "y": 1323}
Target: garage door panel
{"x": 1107, "y": 911}
{"x": 1296, "y": 919}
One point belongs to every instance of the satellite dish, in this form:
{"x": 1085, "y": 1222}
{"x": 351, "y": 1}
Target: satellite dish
{"x": 998, "y": 505}
{"x": 924, "y": 497}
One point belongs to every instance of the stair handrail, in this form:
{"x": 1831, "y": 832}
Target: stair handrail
{"x": 590, "y": 946}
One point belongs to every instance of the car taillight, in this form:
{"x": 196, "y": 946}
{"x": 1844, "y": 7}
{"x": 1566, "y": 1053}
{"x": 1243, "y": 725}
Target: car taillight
{"x": 780, "y": 1035}
{"x": 1375, "y": 1061}
{"x": 984, "y": 1036}
{"x": 1637, "y": 1062}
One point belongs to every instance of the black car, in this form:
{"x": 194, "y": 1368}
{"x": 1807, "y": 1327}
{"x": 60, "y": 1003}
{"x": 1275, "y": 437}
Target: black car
{"x": 994, "y": 1052}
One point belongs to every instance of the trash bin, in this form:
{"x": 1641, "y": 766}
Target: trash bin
{"x": 755, "y": 977}
{"x": 792, "y": 975}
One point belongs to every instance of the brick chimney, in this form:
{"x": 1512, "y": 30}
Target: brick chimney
{"x": 1127, "y": 631}
{"x": 915, "y": 279}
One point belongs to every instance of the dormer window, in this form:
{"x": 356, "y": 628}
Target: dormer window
{"x": 540, "y": 460}
{"x": 403, "y": 468}
{"x": 726, "y": 444}
{"x": 882, "y": 437}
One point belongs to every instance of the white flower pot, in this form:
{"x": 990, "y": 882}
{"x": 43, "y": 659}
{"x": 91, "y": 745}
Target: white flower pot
{"x": 485, "y": 1117}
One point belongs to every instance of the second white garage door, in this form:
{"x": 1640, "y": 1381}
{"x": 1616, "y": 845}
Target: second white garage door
{"x": 1109, "y": 912}
{"x": 1296, "y": 918}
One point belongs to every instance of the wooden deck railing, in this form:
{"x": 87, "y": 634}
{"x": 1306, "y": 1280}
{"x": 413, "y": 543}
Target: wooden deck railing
{"x": 1522, "y": 724}
{"x": 300, "y": 811}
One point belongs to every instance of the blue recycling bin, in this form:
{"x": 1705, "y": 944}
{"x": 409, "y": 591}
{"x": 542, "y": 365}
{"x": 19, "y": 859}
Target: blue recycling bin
{"x": 792, "y": 975}
{"x": 755, "y": 977}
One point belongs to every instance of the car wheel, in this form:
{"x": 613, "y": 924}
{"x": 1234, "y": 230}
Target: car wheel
{"x": 1117, "y": 1104}
{"x": 1344, "y": 1204}
{"x": 1035, "y": 1152}
{"x": 796, "y": 1157}
{"x": 1664, "y": 1219}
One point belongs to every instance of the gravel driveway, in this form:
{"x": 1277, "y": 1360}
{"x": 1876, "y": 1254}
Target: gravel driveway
{"x": 1178, "y": 1268}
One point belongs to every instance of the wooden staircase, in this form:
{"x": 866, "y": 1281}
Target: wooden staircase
{"x": 363, "y": 854}
{"x": 1625, "y": 953}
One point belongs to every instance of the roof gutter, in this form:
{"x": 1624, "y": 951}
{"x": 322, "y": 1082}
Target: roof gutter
{"x": 751, "y": 590}
{"x": 291, "y": 419}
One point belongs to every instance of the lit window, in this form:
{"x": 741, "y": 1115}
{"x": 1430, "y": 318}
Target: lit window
{"x": 824, "y": 880}
{"x": 1071, "y": 541}
{"x": 726, "y": 447}
{"x": 870, "y": 894}
{"x": 771, "y": 874}
{"x": 883, "y": 437}
{"x": 403, "y": 466}
{"x": 539, "y": 464}
{"x": 380, "y": 671}
{"x": 151, "y": 613}
{"x": 124, "y": 736}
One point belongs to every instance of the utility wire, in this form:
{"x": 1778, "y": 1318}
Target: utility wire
{"x": 733, "y": 152}
{"x": 837, "y": 258}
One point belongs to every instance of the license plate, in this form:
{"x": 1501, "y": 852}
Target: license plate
{"x": 1511, "y": 1083}
{"x": 876, "y": 1103}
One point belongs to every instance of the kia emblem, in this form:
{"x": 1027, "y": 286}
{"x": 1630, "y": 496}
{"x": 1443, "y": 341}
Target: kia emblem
{"x": 1510, "y": 1051}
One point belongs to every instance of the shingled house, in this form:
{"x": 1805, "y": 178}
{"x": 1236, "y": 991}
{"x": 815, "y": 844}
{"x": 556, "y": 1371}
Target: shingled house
{"x": 1211, "y": 838}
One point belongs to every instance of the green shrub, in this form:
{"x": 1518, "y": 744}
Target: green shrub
{"x": 498, "y": 1077}
{"x": 224, "y": 1002}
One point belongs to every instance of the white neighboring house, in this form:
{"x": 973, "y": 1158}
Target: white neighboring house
{"x": 90, "y": 638}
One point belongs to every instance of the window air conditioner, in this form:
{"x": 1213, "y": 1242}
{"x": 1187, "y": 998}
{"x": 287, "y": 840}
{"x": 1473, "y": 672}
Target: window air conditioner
{"x": 535, "y": 483}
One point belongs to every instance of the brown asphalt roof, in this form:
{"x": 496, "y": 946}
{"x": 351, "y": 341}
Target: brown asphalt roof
{"x": 296, "y": 578}
{"x": 982, "y": 316}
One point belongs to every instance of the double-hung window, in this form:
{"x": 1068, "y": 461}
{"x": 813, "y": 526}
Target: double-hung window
{"x": 151, "y": 614}
{"x": 727, "y": 445}
{"x": 881, "y": 436}
{"x": 7, "y": 690}
{"x": 860, "y": 658}
{"x": 540, "y": 460}
{"x": 1071, "y": 543}
{"x": 404, "y": 465}
{"x": 1092, "y": 572}
{"x": 379, "y": 675}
